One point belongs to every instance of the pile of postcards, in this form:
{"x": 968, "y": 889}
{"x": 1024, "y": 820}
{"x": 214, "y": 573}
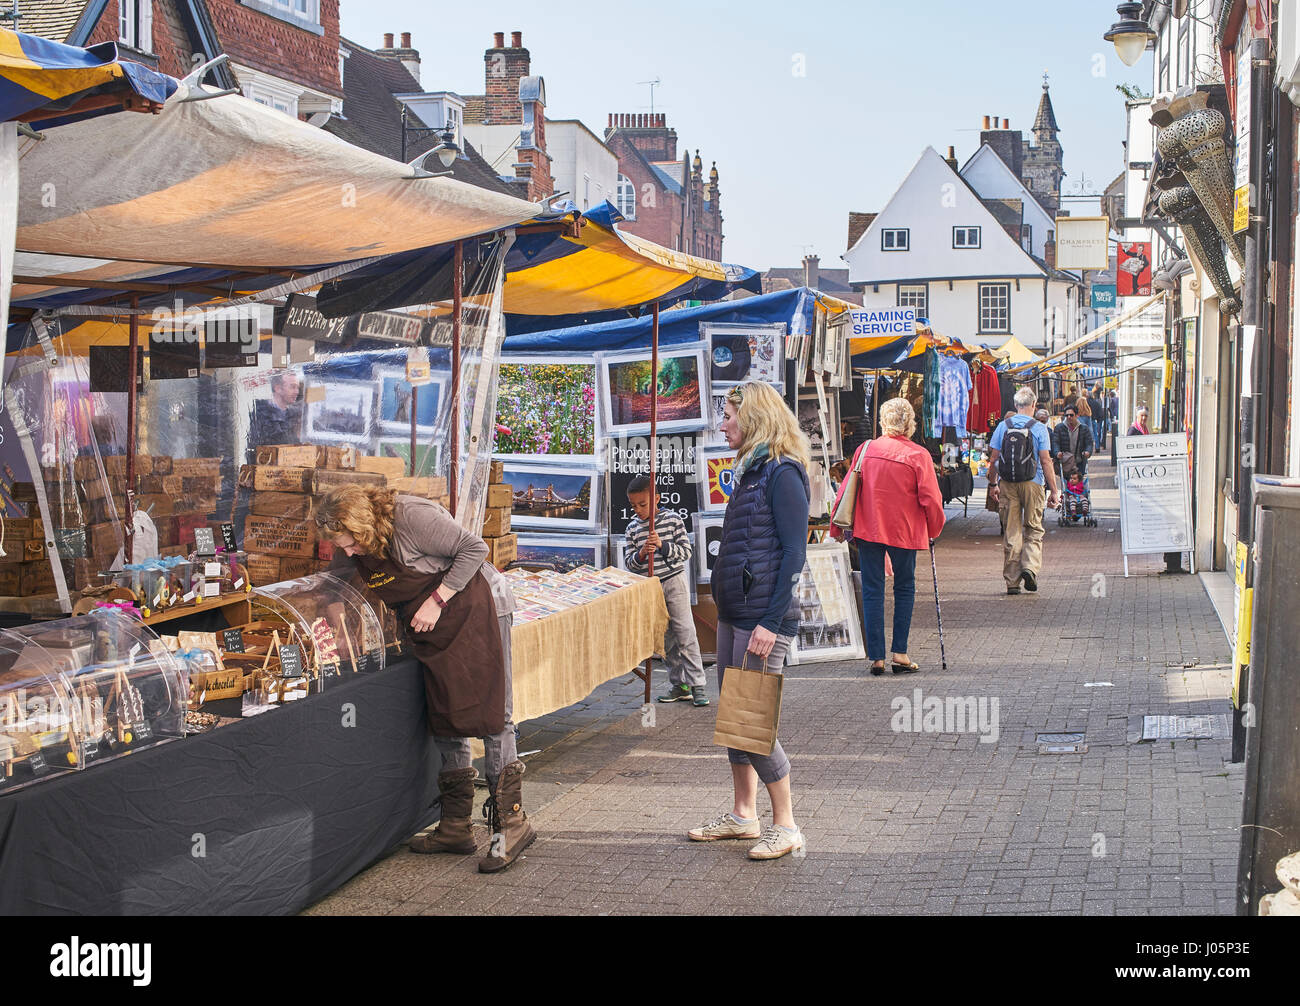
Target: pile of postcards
{"x": 542, "y": 593}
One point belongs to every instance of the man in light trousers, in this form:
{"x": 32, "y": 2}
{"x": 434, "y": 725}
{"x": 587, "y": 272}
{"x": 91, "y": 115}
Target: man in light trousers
{"x": 1020, "y": 498}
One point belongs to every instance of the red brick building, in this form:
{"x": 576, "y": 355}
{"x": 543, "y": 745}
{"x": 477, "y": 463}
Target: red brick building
{"x": 665, "y": 199}
{"x": 283, "y": 53}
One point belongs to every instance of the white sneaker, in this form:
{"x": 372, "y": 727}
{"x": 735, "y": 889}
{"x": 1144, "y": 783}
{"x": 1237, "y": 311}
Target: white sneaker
{"x": 776, "y": 842}
{"x": 724, "y": 826}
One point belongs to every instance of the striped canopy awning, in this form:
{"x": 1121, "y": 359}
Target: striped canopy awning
{"x": 48, "y": 83}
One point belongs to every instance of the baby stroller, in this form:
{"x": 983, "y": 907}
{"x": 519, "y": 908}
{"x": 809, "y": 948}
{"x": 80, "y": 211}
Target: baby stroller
{"x": 1075, "y": 506}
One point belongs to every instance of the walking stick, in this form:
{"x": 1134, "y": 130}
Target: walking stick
{"x": 934, "y": 570}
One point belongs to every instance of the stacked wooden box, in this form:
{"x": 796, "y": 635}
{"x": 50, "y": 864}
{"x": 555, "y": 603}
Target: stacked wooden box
{"x": 279, "y": 534}
{"x": 24, "y": 568}
{"x": 502, "y": 545}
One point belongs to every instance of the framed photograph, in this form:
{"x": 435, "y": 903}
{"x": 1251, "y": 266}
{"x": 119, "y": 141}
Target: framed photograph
{"x": 548, "y": 403}
{"x": 713, "y": 435}
{"x": 562, "y": 552}
{"x": 395, "y": 396}
{"x": 428, "y": 456}
{"x": 681, "y": 386}
{"x": 745, "y": 352}
{"x": 717, "y": 466}
{"x": 708, "y": 531}
{"x": 830, "y": 624}
{"x": 340, "y": 411}
{"x": 554, "y": 497}
{"x": 811, "y": 418}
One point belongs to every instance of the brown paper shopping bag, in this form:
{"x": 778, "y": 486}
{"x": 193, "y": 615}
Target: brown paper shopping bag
{"x": 749, "y": 709}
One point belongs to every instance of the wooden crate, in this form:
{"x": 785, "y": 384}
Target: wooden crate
{"x": 275, "y": 478}
{"x": 431, "y": 486}
{"x": 496, "y": 522}
{"x": 162, "y": 464}
{"x": 263, "y": 569}
{"x": 36, "y": 578}
{"x": 24, "y": 527}
{"x": 11, "y": 580}
{"x": 280, "y": 536}
{"x": 292, "y": 567}
{"x": 503, "y": 550}
{"x": 496, "y": 472}
{"x": 273, "y": 504}
{"x": 323, "y": 481}
{"x": 500, "y": 496}
{"x": 163, "y": 504}
{"x": 336, "y": 458}
{"x": 166, "y": 485}
{"x": 195, "y": 466}
{"x": 287, "y": 455}
{"x": 388, "y": 467}
{"x": 200, "y": 485}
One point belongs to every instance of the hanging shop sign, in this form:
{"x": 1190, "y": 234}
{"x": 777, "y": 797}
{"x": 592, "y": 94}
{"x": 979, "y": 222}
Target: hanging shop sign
{"x": 1241, "y": 158}
{"x": 883, "y": 321}
{"x": 1082, "y": 242}
{"x": 1155, "y": 495}
{"x": 1134, "y": 269}
{"x": 301, "y": 320}
{"x": 390, "y": 326}
{"x": 1104, "y": 297}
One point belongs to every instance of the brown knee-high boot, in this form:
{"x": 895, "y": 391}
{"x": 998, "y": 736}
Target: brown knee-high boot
{"x": 453, "y": 834}
{"x": 511, "y": 832}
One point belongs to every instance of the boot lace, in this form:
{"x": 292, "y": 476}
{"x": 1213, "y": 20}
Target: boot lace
{"x": 772, "y": 838}
{"x": 492, "y": 814}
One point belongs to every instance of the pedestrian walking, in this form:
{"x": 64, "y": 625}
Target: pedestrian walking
{"x": 898, "y": 512}
{"x": 1020, "y": 467}
{"x": 1072, "y": 438}
{"x": 672, "y": 555}
{"x": 1100, "y": 418}
{"x": 457, "y": 610}
{"x": 760, "y": 558}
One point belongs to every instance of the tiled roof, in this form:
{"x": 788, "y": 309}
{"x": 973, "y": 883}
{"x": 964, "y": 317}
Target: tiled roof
{"x": 832, "y": 281}
{"x": 1008, "y": 212}
{"x": 372, "y": 117}
{"x": 475, "y": 108}
{"x": 52, "y": 19}
{"x": 672, "y": 183}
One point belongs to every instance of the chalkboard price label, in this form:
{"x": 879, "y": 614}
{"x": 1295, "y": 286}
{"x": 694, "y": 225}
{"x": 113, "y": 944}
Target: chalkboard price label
{"x": 204, "y": 542}
{"x": 232, "y": 640}
{"x": 291, "y": 661}
{"x": 37, "y": 764}
{"x": 228, "y": 536}
{"x": 141, "y": 732}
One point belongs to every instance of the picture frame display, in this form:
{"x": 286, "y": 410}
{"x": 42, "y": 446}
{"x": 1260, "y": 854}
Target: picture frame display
{"x": 810, "y": 421}
{"x": 708, "y": 532}
{"x": 682, "y": 386}
{"x": 562, "y": 552}
{"x": 717, "y": 472}
{"x": 342, "y": 412}
{"x": 713, "y": 437}
{"x": 739, "y": 353}
{"x": 830, "y": 623}
{"x": 428, "y": 456}
{"x": 554, "y": 497}
{"x": 550, "y": 406}
{"x": 394, "y": 402}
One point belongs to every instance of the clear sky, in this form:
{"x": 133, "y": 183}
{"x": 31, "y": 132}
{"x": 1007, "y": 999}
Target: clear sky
{"x": 810, "y": 110}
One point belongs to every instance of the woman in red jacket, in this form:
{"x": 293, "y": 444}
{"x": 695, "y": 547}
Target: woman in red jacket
{"x": 899, "y": 511}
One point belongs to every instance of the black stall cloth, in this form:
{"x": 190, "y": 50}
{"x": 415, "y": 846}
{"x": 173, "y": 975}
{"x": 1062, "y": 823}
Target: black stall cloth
{"x": 261, "y": 817}
{"x": 957, "y": 484}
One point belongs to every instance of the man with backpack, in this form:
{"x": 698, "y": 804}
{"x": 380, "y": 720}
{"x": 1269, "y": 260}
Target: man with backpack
{"x": 1020, "y": 466}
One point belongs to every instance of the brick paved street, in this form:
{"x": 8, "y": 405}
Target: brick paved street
{"x": 904, "y": 822}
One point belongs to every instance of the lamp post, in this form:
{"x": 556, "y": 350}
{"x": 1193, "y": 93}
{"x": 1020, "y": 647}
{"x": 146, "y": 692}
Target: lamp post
{"x": 1130, "y": 34}
{"x": 447, "y": 150}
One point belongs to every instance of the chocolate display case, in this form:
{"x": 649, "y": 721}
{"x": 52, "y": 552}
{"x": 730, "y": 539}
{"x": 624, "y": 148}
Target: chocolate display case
{"x": 82, "y": 690}
{"x": 336, "y": 629}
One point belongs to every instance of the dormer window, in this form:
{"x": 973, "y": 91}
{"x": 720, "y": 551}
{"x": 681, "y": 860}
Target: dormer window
{"x": 894, "y": 239}
{"x": 965, "y": 237}
{"x": 135, "y": 24}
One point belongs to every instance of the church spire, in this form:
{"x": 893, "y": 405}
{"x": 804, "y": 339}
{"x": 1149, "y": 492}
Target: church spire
{"x": 1045, "y": 128}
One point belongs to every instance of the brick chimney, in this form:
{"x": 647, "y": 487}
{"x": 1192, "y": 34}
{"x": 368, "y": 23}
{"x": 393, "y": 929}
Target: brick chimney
{"x": 504, "y": 67}
{"x": 1008, "y": 143}
{"x": 408, "y": 57}
{"x": 1049, "y": 250}
{"x": 648, "y": 133}
{"x": 951, "y": 159}
{"x": 811, "y": 271}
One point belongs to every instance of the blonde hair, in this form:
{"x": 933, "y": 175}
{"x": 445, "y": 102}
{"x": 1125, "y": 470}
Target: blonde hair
{"x": 764, "y": 417}
{"x": 897, "y": 418}
{"x": 364, "y": 512}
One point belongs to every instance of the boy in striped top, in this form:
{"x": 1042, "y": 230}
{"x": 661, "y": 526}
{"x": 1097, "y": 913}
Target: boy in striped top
{"x": 672, "y": 554}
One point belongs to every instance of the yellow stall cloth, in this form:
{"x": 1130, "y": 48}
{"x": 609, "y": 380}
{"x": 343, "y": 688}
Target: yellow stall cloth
{"x": 562, "y": 658}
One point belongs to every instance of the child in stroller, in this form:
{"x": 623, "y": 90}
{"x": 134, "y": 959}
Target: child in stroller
{"x": 1076, "y": 502}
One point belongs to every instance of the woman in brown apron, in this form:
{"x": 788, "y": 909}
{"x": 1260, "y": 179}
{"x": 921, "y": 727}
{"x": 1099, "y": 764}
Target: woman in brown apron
{"x": 457, "y": 610}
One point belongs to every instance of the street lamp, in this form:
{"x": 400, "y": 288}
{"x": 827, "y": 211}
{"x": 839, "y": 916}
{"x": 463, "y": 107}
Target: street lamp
{"x": 1130, "y": 33}
{"x": 447, "y": 151}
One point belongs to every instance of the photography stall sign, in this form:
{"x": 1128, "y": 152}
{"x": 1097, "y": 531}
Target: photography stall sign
{"x": 301, "y": 320}
{"x": 676, "y": 473}
{"x": 1155, "y": 497}
{"x": 390, "y": 326}
{"x": 882, "y": 321}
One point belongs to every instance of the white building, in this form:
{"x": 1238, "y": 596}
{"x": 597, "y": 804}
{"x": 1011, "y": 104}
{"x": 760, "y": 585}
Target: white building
{"x": 581, "y": 164}
{"x": 954, "y": 254}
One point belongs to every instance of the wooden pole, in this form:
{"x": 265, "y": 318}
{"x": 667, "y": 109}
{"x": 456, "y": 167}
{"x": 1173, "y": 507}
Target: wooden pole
{"x": 457, "y": 296}
{"x": 132, "y": 362}
{"x": 415, "y": 401}
{"x": 654, "y": 450}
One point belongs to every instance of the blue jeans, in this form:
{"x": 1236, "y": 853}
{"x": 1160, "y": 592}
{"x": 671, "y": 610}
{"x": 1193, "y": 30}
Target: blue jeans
{"x": 871, "y": 558}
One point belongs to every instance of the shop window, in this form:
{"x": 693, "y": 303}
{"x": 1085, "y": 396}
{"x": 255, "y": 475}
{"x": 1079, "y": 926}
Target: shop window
{"x": 917, "y": 296}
